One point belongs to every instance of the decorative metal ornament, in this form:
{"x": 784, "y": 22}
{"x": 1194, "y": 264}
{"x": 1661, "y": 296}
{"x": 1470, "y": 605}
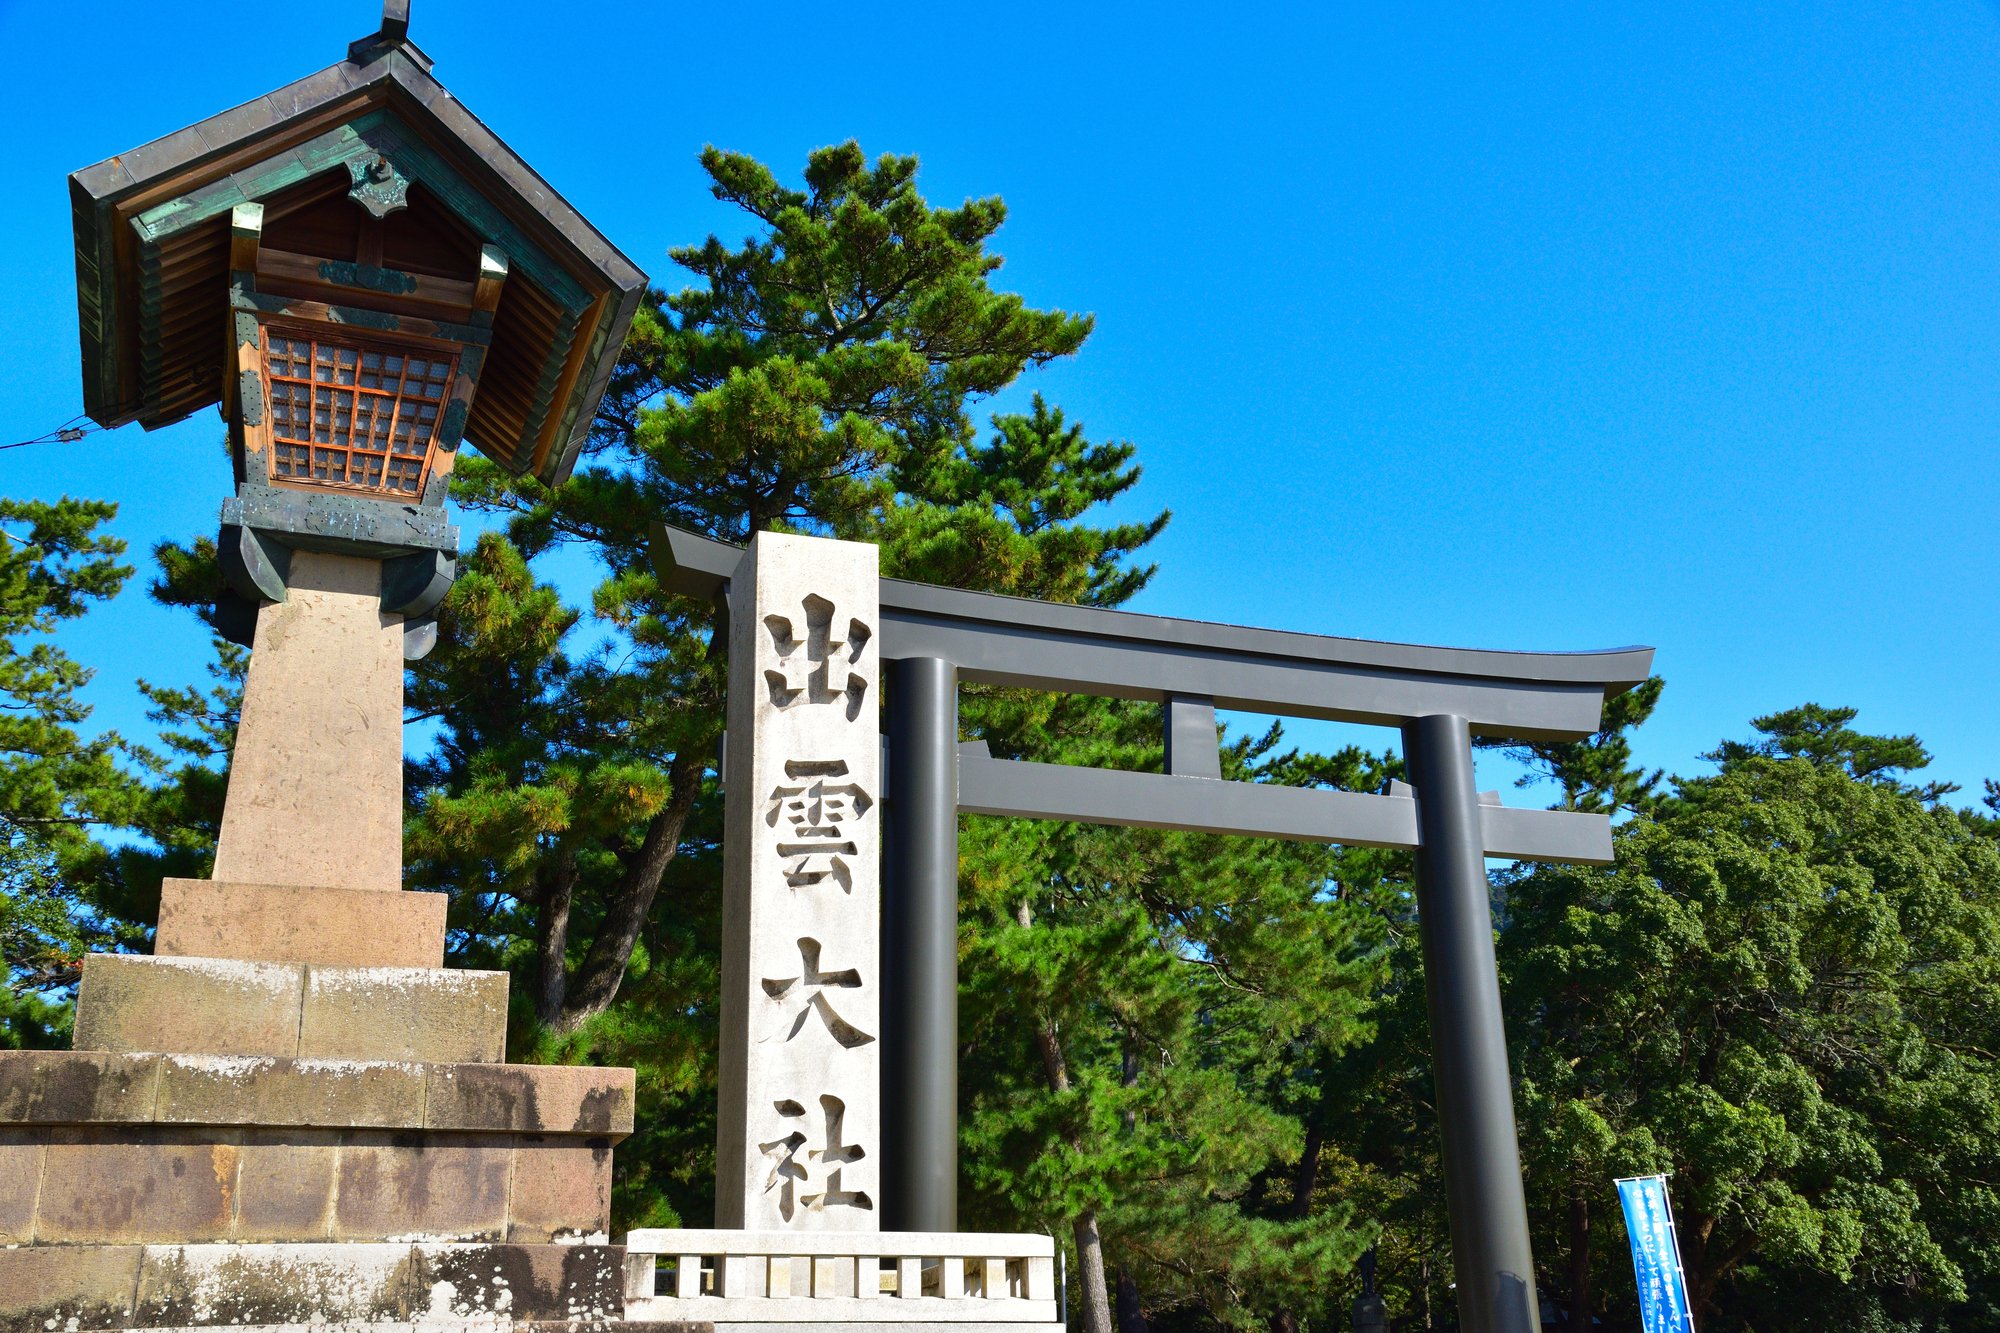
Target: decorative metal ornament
{"x": 396, "y": 20}
{"x": 378, "y": 186}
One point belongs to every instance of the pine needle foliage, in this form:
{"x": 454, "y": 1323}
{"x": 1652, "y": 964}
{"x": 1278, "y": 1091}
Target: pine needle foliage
{"x": 55, "y": 785}
{"x": 822, "y": 375}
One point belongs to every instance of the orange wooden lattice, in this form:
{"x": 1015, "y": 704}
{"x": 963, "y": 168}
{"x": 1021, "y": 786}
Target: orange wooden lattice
{"x": 352, "y": 415}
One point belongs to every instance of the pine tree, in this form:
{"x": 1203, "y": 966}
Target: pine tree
{"x": 1149, "y": 1009}
{"x": 1821, "y": 735}
{"x": 55, "y": 785}
{"x": 820, "y": 376}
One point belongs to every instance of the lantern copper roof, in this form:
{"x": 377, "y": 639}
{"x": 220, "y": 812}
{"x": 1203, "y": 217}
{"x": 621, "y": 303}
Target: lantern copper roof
{"x": 378, "y": 131}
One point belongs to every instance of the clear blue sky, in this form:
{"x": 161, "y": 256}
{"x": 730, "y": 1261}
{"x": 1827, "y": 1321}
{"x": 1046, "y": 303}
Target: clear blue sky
{"x": 1529, "y": 326}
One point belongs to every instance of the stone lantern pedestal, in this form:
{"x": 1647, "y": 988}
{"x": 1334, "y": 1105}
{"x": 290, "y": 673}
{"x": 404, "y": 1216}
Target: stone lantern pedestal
{"x": 292, "y": 1112}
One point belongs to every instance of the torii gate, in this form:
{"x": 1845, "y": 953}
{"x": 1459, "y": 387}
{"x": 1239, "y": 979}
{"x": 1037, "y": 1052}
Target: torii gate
{"x": 930, "y": 638}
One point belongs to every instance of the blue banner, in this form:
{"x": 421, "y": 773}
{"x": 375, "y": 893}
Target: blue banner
{"x": 1656, "y": 1255}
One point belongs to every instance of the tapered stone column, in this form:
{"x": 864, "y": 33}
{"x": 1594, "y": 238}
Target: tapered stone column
{"x": 316, "y": 780}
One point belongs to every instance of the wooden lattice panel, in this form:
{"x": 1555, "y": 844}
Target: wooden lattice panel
{"x": 353, "y": 415}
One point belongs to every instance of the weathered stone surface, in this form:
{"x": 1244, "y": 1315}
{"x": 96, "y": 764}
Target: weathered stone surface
{"x": 341, "y": 927}
{"x": 20, "y": 1180}
{"x": 316, "y": 781}
{"x": 404, "y": 1013}
{"x": 96, "y": 1190}
{"x": 540, "y": 1281}
{"x": 536, "y": 1099}
{"x": 76, "y": 1087}
{"x": 275, "y": 1284}
{"x": 284, "y": 1191}
{"x": 450, "y": 1188}
{"x": 263, "y": 1285}
{"x": 207, "y": 1006}
{"x": 799, "y": 1056}
{"x": 272, "y": 1090}
{"x": 163, "y": 1185}
{"x": 46, "y": 1287}
{"x": 615, "y": 1326}
{"x": 562, "y": 1191}
{"x": 485, "y": 1324}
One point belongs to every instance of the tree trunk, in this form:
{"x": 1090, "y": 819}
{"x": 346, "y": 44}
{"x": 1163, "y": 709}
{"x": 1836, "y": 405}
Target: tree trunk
{"x": 1090, "y": 1273}
{"x": 1131, "y": 1309}
{"x": 1707, "y": 1266}
{"x": 1305, "y": 1176}
{"x": 1131, "y": 1313}
{"x": 552, "y": 941}
{"x": 603, "y": 969}
{"x": 1089, "y": 1244}
{"x": 1695, "y": 1230}
{"x": 1305, "y": 1179}
{"x": 1579, "y": 1258}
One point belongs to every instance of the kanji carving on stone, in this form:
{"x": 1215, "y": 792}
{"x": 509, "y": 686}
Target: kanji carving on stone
{"x": 804, "y": 997}
{"x": 818, "y": 666}
{"x": 814, "y": 818}
{"x": 801, "y": 1015}
{"x": 805, "y": 1172}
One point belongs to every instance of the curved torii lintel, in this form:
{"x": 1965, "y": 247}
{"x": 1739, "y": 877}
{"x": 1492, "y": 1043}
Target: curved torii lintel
{"x": 1017, "y": 641}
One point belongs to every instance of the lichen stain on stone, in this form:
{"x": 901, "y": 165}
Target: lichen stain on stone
{"x": 223, "y": 1160}
{"x": 599, "y": 1110}
{"x": 71, "y": 1089}
{"x": 316, "y": 1285}
{"x": 499, "y": 1099}
{"x": 235, "y": 1068}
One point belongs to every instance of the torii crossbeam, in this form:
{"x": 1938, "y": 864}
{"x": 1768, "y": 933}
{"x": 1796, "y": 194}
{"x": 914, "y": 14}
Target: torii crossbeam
{"x": 1440, "y": 698}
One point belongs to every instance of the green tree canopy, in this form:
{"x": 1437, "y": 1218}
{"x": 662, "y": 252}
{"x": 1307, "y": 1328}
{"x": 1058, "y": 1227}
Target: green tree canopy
{"x": 1785, "y": 992}
{"x": 54, "y": 785}
{"x": 822, "y": 376}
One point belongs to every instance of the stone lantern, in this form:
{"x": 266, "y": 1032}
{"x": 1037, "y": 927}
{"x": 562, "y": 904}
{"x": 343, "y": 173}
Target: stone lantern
{"x": 291, "y": 1112}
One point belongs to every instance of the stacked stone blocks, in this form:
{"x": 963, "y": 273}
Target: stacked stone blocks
{"x": 245, "y": 1137}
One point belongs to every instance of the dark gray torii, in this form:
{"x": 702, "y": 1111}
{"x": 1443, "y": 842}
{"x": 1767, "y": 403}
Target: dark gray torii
{"x": 1440, "y": 698}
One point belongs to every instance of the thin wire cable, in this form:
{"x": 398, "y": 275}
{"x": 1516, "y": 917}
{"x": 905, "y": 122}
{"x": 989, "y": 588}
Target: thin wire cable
{"x": 67, "y": 433}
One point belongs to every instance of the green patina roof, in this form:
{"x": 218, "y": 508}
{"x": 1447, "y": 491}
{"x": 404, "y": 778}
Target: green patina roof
{"x": 144, "y": 288}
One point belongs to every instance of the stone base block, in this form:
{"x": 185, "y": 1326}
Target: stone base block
{"x": 127, "y": 1002}
{"x": 463, "y": 1326}
{"x": 88, "y": 1287}
{"x": 77, "y": 1087}
{"x": 404, "y": 1013}
{"x": 332, "y": 927}
{"x": 160, "y": 1184}
{"x": 62, "y": 1286}
{"x": 99, "y": 1149}
{"x": 99, "y": 1088}
{"x": 216, "y": 1006}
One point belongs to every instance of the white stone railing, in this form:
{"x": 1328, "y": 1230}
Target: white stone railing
{"x": 761, "y": 1279}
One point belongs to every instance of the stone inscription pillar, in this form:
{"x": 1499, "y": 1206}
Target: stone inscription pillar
{"x": 316, "y": 784}
{"x": 799, "y": 1118}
